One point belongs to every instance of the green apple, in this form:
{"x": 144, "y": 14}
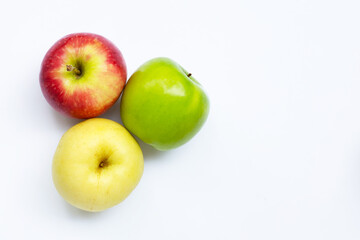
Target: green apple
{"x": 163, "y": 104}
{"x": 97, "y": 164}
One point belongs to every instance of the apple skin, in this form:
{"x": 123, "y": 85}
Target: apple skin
{"x": 162, "y": 105}
{"x": 97, "y": 164}
{"x": 99, "y": 83}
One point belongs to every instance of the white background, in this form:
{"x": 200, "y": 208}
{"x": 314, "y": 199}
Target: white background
{"x": 278, "y": 158}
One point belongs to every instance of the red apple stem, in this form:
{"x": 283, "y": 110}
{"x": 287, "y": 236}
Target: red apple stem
{"x": 189, "y": 75}
{"x": 70, "y": 68}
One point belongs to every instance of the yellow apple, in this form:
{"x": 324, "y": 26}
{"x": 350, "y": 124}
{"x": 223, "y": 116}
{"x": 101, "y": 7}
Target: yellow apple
{"x": 97, "y": 164}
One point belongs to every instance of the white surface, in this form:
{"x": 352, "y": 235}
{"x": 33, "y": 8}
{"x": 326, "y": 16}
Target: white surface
{"x": 279, "y": 157}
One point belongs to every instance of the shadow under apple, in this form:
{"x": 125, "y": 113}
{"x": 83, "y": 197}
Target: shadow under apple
{"x": 64, "y": 122}
{"x": 149, "y": 152}
{"x": 74, "y": 212}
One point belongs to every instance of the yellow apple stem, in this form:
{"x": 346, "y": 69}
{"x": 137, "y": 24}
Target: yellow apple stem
{"x": 189, "y": 75}
{"x": 74, "y": 69}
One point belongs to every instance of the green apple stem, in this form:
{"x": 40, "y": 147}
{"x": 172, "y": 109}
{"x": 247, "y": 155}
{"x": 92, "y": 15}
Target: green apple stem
{"x": 74, "y": 69}
{"x": 189, "y": 75}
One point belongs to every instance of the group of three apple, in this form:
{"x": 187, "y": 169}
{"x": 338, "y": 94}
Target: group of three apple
{"x": 98, "y": 163}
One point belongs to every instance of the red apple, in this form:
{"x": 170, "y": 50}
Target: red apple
{"x": 82, "y": 75}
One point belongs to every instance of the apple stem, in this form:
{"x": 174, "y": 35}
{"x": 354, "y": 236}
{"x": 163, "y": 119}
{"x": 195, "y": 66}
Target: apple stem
{"x": 74, "y": 69}
{"x": 189, "y": 75}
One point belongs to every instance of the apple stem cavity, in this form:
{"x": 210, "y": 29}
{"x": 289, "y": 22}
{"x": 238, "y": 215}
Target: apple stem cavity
{"x": 103, "y": 163}
{"x": 189, "y": 75}
{"x": 70, "y": 68}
